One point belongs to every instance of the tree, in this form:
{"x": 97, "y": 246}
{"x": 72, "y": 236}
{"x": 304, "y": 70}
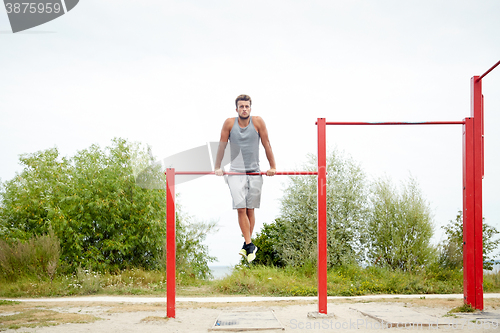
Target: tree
{"x": 400, "y": 227}
{"x": 94, "y": 206}
{"x": 33, "y": 198}
{"x": 296, "y": 243}
{"x": 451, "y": 251}
{"x": 116, "y": 223}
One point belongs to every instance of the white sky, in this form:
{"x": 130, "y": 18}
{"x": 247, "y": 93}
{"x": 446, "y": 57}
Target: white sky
{"x": 166, "y": 73}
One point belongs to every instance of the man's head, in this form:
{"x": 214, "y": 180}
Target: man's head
{"x": 243, "y": 98}
{"x": 243, "y": 106}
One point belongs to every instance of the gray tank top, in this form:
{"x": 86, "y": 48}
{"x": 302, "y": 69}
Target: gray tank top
{"x": 244, "y": 143}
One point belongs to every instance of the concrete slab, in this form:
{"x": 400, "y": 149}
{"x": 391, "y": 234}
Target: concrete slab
{"x": 391, "y": 315}
{"x": 318, "y": 315}
{"x": 246, "y": 321}
{"x": 482, "y": 316}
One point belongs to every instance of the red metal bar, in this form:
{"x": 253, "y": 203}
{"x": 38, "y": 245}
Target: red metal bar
{"x": 489, "y": 70}
{"x": 482, "y": 134}
{"x": 468, "y": 211}
{"x": 396, "y": 123}
{"x": 477, "y": 113}
{"x": 278, "y": 173}
{"x": 170, "y": 243}
{"x": 322, "y": 237}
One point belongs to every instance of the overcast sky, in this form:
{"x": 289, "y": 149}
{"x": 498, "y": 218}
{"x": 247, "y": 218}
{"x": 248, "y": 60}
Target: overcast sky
{"x": 166, "y": 73}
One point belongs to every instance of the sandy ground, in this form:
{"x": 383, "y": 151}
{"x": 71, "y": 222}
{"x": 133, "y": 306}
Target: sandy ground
{"x": 200, "y": 316}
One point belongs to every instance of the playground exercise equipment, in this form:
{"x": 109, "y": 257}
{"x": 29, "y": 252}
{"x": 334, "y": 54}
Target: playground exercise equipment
{"x": 171, "y": 173}
{"x": 473, "y": 173}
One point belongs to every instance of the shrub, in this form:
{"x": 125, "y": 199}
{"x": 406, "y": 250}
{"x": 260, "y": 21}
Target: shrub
{"x": 451, "y": 251}
{"x": 265, "y": 240}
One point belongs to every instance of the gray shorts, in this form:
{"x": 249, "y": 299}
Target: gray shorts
{"x": 245, "y": 190}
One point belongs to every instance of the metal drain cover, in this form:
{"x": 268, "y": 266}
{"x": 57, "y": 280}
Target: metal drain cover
{"x": 247, "y": 321}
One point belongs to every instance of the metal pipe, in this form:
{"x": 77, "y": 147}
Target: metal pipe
{"x": 170, "y": 236}
{"x": 396, "y": 123}
{"x": 279, "y": 173}
{"x": 477, "y": 114}
{"x": 322, "y": 218}
{"x": 489, "y": 70}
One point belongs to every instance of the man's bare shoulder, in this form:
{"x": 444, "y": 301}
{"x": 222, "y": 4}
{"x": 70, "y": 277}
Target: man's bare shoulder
{"x": 258, "y": 121}
{"x": 228, "y": 123}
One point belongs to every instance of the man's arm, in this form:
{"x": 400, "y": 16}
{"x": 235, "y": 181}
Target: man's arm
{"x": 260, "y": 126}
{"x": 224, "y": 137}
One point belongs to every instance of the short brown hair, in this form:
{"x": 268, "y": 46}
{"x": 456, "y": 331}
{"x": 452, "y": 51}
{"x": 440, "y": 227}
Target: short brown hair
{"x": 243, "y": 98}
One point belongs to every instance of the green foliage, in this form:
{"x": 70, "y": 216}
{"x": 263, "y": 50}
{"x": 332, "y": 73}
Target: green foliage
{"x": 265, "y": 242}
{"x": 192, "y": 255}
{"x": 92, "y": 203}
{"x": 296, "y": 243}
{"x": 37, "y": 257}
{"x": 105, "y": 221}
{"x": 380, "y": 224}
{"x": 31, "y": 200}
{"x": 400, "y": 227}
{"x": 451, "y": 251}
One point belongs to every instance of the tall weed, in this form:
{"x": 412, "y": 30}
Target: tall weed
{"x": 37, "y": 257}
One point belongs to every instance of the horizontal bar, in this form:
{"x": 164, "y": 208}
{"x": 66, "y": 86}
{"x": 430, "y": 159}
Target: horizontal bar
{"x": 278, "y": 173}
{"x": 489, "y": 70}
{"x": 396, "y": 123}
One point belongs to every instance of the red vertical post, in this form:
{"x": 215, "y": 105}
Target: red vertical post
{"x": 322, "y": 255}
{"x": 477, "y": 113}
{"x": 482, "y": 134}
{"x": 468, "y": 211}
{"x": 170, "y": 243}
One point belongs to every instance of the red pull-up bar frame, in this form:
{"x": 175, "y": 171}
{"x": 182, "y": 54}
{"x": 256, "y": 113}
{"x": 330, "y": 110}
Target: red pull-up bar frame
{"x": 322, "y": 217}
{"x": 473, "y": 171}
{"x": 473, "y": 174}
{"x": 171, "y": 242}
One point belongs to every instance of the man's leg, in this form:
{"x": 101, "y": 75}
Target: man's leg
{"x": 246, "y": 219}
{"x": 251, "y": 220}
{"x": 245, "y": 225}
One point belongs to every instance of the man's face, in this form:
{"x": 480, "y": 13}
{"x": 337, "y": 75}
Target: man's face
{"x": 243, "y": 109}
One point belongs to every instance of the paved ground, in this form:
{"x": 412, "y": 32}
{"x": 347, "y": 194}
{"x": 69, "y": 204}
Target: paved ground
{"x": 293, "y": 314}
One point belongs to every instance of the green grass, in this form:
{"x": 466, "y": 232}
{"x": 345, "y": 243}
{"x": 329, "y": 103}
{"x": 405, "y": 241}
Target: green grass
{"x": 462, "y": 309}
{"x": 250, "y": 280}
{"x": 129, "y": 282}
{"x": 344, "y": 281}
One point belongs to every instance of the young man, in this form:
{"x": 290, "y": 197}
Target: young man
{"x": 244, "y": 133}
